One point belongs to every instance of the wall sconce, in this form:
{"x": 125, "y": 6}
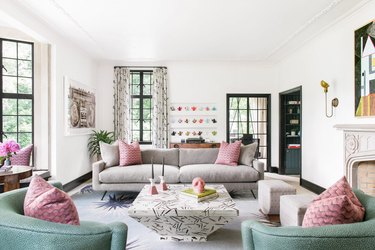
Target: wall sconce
{"x": 334, "y": 102}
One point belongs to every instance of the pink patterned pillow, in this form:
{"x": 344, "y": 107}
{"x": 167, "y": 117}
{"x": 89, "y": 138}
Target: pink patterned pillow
{"x": 44, "y": 201}
{"x": 332, "y": 211}
{"x": 229, "y": 153}
{"x": 337, "y": 205}
{"x": 341, "y": 187}
{"x": 23, "y": 156}
{"x": 130, "y": 154}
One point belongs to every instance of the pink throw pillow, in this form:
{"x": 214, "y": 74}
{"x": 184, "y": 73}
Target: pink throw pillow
{"x": 229, "y": 153}
{"x": 23, "y": 156}
{"x": 130, "y": 154}
{"x": 337, "y": 205}
{"x": 332, "y": 211}
{"x": 341, "y": 187}
{"x": 45, "y": 202}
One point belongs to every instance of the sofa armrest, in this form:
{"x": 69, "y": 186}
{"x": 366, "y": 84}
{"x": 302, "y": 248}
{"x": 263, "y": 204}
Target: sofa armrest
{"x": 97, "y": 167}
{"x": 259, "y": 166}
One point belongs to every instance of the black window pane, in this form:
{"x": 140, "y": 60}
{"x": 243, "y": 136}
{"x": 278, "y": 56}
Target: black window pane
{"x": 25, "y": 68}
{"x": 25, "y": 85}
{"x": 24, "y": 51}
{"x": 24, "y": 139}
{"x": 9, "y": 124}
{"x": 9, "y": 106}
{"x": 9, "y": 49}
{"x": 10, "y": 67}
{"x": 9, "y": 84}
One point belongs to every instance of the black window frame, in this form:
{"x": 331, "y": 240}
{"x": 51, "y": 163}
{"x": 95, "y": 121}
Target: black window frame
{"x": 17, "y": 95}
{"x": 268, "y": 134}
{"x": 141, "y": 98}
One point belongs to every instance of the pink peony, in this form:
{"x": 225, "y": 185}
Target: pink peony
{"x": 8, "y": 148}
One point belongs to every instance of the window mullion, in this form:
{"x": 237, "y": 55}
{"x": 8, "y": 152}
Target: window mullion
{"x": 141, "y": 106}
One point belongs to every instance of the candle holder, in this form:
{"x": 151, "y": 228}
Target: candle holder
{"x": 163, "y": 184}
{"x": 152, "y": 189}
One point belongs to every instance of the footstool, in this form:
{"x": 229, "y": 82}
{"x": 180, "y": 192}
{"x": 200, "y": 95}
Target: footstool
{"x": 293, "y": 209}
{"x": 269, "y": 192}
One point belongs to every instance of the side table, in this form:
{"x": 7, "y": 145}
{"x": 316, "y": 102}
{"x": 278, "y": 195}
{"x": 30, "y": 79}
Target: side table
{"x": 11, "y": 178}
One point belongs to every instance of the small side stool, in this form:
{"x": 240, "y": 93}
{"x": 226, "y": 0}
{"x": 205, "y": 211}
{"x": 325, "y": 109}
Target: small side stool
{"x": 269, "y": 195}
{"x": 293, "y": 209}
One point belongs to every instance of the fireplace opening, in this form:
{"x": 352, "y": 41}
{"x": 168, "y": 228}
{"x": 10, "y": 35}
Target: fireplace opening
{"x": 366, "y": 177}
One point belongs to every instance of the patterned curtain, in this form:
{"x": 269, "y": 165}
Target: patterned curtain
{"x": 160, "y": 108}
{"x": 121, "y": 89}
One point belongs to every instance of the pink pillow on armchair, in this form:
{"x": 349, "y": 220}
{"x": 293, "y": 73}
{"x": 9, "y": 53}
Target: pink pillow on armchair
{"x": 229, "y": 153}
{"x": 130, "y": 154}
{"x": 45, "y": 202}
{"x": 337, "y": 205}
{"x": 23, "y": 156}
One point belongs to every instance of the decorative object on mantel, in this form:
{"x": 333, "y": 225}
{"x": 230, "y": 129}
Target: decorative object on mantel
{"x": 334, "y": 102}
{"x": 364, "y": 58}
{"x": 7, "y": 150}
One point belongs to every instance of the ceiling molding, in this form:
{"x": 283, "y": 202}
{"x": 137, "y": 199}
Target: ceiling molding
{"x": 304, "y": 27}
{"x": 75, "y": 22}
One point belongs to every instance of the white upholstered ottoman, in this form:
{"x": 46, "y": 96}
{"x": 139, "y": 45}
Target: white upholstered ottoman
{"x": 293, "y": 209}
{"x": 269, "y": 192}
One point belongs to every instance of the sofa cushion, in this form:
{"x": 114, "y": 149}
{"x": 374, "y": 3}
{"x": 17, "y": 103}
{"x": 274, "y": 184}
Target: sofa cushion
{"x": 247, "y": 154}
{"x": 229, "y": 153}
{"x": 138, "y": 174}
{"x": 130, "y": 154}
{"x": 110, "y": 153}
{"x": 23, "y": 156}
{"x": 215, "y": 173}
{"x": 45, "y": 202}
{"x": 170, "y": 156}
{"x": 198, "y": 156}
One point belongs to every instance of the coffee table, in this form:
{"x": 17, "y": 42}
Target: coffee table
{"x": 11, "y": 178}
{"x": 183, "y": 219}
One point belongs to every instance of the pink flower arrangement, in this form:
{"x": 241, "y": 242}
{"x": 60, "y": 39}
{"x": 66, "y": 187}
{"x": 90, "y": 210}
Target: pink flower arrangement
{"x": 9, "y": 148}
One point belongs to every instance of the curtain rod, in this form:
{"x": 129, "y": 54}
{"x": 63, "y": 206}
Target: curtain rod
{"x": 149, "y": 67}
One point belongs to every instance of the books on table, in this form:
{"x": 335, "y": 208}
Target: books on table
{"x": 208, "y": 194}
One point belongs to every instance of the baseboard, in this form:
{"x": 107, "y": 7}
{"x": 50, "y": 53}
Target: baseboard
{"x": 76, "y": 182}
{"x": 274, "y": 170}
{"x": 311, "y": 186}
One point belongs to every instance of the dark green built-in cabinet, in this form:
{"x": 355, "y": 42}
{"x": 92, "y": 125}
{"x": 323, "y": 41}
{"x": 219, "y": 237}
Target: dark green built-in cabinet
{"x": 290, "y": 131}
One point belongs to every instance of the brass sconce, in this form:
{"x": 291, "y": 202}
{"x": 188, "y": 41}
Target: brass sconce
{"x": 335, "y": 101}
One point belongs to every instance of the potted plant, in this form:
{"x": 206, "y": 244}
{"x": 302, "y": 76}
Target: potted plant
{"x": 95, "y": 138}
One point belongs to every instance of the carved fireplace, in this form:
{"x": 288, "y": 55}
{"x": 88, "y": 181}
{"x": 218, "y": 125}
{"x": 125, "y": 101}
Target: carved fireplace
{"x": 359, "y": 155}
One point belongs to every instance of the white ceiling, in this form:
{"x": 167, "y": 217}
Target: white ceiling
{"x": 165, "y": 30}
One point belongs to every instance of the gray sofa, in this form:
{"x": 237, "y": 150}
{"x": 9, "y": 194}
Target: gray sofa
{"x": 180, "y": 166}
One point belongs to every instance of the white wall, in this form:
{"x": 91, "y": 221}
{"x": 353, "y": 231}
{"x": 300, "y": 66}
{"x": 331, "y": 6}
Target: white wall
{"x": 329, "y": 57}
{"x": 200, "y": 82}
{"x": 69, "y": 156}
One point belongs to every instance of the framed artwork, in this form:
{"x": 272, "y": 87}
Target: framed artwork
{"x": 364, "y": 58}
{"x": 80, "y": 108}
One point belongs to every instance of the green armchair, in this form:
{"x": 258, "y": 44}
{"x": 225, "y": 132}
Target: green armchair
{"x": 22, "y": 232}
{"x": 359, "y": 235}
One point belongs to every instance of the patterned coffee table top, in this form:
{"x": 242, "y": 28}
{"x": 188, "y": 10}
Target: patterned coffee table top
{"x": 171, "y": 203}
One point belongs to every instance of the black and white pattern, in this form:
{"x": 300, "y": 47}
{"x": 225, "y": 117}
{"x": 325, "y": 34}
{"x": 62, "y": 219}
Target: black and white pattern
{"x": 177, "y": 218}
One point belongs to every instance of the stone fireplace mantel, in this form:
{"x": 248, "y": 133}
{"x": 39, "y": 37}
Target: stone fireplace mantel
{"x": 359, "y": 146}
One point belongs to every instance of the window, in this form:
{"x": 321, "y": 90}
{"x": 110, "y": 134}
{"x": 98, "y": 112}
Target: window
{"x": 141, "y": 106}
{"x": 250, "y": 114}
{"x": 16, "y": 95}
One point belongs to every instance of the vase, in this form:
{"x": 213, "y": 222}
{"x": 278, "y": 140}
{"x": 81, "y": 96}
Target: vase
{"x": 7, "y": 162}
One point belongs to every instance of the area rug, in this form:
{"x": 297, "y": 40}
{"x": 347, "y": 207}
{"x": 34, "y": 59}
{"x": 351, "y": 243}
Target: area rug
{"x": 114, "y": 207}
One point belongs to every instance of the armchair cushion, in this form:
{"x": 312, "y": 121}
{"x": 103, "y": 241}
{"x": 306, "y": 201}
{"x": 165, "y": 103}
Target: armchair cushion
{"x": 23, "y": 156}
{"x": 45, "y": 202}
